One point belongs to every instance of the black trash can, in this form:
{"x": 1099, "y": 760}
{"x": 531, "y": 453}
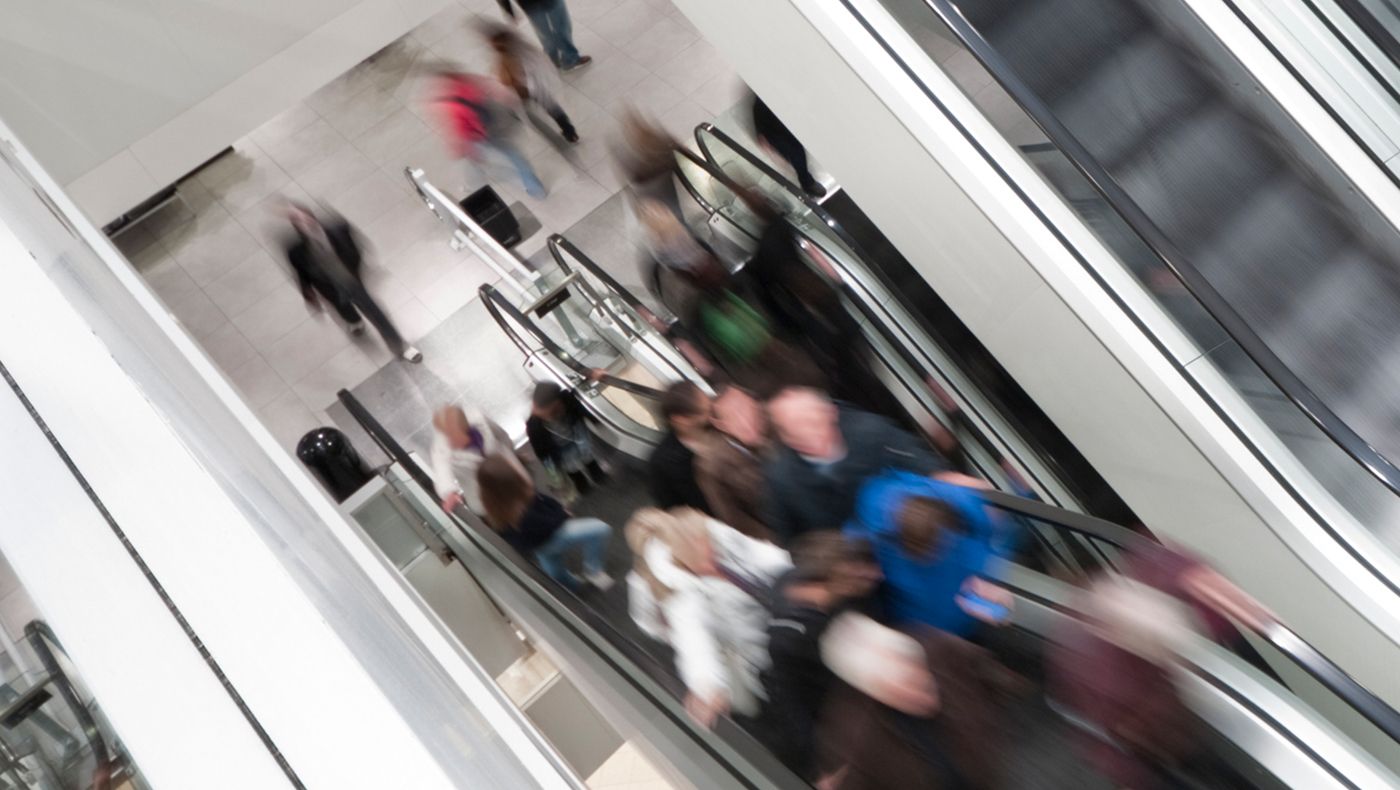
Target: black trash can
{"x": 329, "y": 455}
{"x": 493, "y": 215}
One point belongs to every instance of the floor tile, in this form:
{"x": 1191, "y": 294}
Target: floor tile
{"x": 308, "y": 346}
{"x": 302, "y": 150}
{"x": 400, "y": 227}
{"x": 370, "y": 199}
{"x": 319, "y": 387}
{"x": 272, "y": 317}
{"x": 261, "y": 178}
{"x": 693, "y": 66}
{"x": 258, "y": 382}
{"x": 721, "y": 93}
{"x": 609, "y": 80}
{"x": 196, "y": 313}
{"x": 626, "y": 22}
{"x": 385, "y": 142}
{"x": 422, "y": 263}
{"x": 267, "y": 221}
{"x": 655, "y": 47}
{"x": 165, "y": 276}
{"x": 285, "y": 124}
{"x": 652, "y": 96}
{"x": 248, "y": 283}
{"x": 457, "y": 286}
{"x": 228, "y": 347}
{"x": 222, "y": 245}
{"x": 337, "y": 174}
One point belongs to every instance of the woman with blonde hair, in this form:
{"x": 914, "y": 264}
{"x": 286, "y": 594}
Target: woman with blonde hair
{"x": 539, "y": 527}
{"x": 701, "y": 587}
{"x": 462, "y": 439}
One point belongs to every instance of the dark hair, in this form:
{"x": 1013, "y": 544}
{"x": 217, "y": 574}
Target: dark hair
{"x": 681, "y": 399}
{"x": 816, "y": 555}
{"x": 921, "y": 520}
{"x": 505, "y": 491}
{"x": 547, "y": 393}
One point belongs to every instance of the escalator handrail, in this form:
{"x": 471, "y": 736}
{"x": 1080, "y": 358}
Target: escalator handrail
{"x": 559, "y": 247}
{"x": 499, "y": 307}
{"x": 522, "y": 570}
{"x": 1293, "y": 388}
{"x": 1279, "y": 636}
{"x": 711, "y": 166}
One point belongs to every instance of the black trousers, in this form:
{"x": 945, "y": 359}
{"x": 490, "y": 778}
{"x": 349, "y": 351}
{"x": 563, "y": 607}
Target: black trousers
{"x": 353, "y": 301}
{"x": 790, "y": 149}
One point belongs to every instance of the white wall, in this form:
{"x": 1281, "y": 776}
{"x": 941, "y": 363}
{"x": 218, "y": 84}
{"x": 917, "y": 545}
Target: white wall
{"x": 119, "y": 99}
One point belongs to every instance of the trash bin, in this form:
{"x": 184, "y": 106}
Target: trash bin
{"x": 329, "y": 455}
{"x": 493, "y": 215}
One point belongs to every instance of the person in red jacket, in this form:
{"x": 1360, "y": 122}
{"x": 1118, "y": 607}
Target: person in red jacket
{"x": 477, "y": 115}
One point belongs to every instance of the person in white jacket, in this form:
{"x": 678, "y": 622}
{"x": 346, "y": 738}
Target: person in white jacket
{"x": 461, "y": 441}
{"x": 697, "y": 585}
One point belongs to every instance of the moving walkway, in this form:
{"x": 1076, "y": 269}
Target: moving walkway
{"x": 1257, "y": 724}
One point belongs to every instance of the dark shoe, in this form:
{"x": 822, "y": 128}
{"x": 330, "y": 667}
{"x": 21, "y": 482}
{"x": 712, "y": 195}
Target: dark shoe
{"x": 814, "y": 189}
{"x": 582, "y": 61}
{"x": 571, "y": 136}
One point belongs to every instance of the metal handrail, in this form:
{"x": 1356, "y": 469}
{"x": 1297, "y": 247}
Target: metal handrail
{"x": 500, "y": 308}
{"x": 596, "y": 627}
{"x": 469, "y": 232}
{"x": 1279, "y": 636}
{"x": 1162, "y": 248}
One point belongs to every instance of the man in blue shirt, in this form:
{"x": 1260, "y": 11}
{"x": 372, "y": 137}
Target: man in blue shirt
{"x": 936, "y": 542}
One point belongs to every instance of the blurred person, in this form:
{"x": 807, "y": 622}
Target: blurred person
{"x": 671, "y": 469}
{"x": 327, "y": 260}
{"x": 830, "y": 572}
{"x": 729, "y": 462}
{"x": 538, "y": 526}
{"x": 772, "y": 133}
{"x": 826, "y": 452}
{"x": 923, "y": 710}
{"x": 462, "y": 439}
{"x": 702, "y": 587}
{"x": 647, "y": 157}
{"x": 557, "y": 430}
{"x": 478, "y": 116}
{"x": 523, "y": 69}
{"x": 550, "y": 19}
{"x": 937, "y": 543}
{"x": 718, "y": 327}
{"x": 1118, "y": 671}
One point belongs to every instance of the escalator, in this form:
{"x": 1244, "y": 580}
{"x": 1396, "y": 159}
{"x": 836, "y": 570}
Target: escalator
{"x": 1236, "y": 222}
{"x": 1262, "y": 734}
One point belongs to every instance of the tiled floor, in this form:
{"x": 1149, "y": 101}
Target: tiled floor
{"x": 215, "y": 258}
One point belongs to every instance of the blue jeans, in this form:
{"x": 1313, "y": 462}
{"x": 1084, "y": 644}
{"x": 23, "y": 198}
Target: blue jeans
{"x": 556, "y": 33}
{"x": 589, "y": 535}
{"x": 507, "y": 150}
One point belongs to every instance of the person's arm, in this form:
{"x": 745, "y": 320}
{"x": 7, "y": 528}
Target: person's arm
{"x": 907, "y": 451}
{"x": 542, "y": 442}
{"x": 444, "y": 477}
{"x": 769, "y": 560}
{"x": 698, "y": 658}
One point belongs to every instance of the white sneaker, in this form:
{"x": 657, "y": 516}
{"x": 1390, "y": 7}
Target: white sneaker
{"x": 602, "y": 581}
{"x": 412, "y": 354}
{"x": 357, "y": 328}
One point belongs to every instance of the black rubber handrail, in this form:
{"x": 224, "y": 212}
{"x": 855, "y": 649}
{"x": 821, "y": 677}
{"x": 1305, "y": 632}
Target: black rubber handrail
{"x": 1297, "y": 392}
{"x": 597, "y": 628}
{"x": 500, "y": 307}
{"x": 899, "y": 344}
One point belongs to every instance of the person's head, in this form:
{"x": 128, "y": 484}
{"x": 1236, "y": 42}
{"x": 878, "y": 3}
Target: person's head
{"x": 886, "y": 665}
{"x": 858, "y": 573}
{"x": 844, "y": 568}
{"x": 685, "y": 408}
{"x": 303, "y": 219}
{"x": 547, "y": 401}
{"x": 505, "y": 491}
{"x": 806, "y": 421}
{"x": 452, "y": 423}
{"x": 688, "y": 538}
{"x": 738, "y": 415}
{"x": 923, "y": 521}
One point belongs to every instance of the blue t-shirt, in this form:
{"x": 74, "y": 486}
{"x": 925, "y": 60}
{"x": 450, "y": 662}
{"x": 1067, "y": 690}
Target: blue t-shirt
{"x": 924, "y": 589}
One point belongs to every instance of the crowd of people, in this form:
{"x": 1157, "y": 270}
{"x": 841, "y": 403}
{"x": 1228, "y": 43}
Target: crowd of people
{"x": 824, "y": 574}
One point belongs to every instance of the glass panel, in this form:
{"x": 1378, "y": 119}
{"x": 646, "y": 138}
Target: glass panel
{"x": 53, "y": 735}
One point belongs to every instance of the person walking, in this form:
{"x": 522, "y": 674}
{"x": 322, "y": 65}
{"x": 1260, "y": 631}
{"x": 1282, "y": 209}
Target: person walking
{"x": 538, "y": 526}
{"x": 772, "y": 133}
{"x": 477, "y": 117}
{"x": 550, "y": 19}
{"x": 671, "y": 468}
{"x": 327, "y": 259}
{"x": 522, "y": 68}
